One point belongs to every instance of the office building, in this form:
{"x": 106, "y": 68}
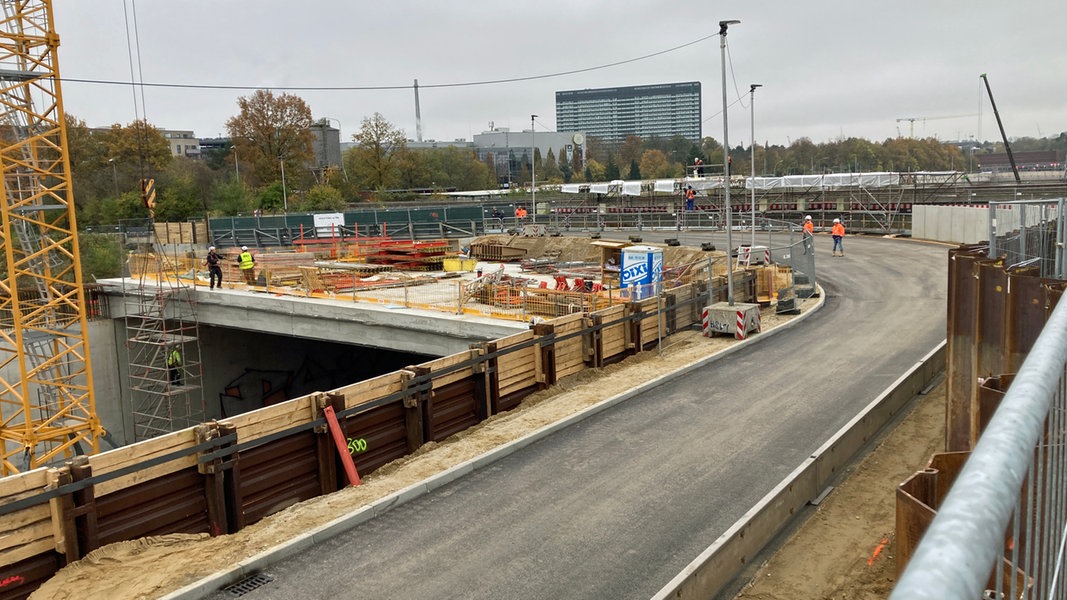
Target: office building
{"x": 612, "y": 114}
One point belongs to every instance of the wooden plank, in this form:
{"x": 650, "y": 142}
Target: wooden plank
{"x": 447, "y": 362}
{"x": 24, "y": 518}
{"x": 373, "y": 389}
{"x": 25, "y": 551}
{"x": 29, "y": 533}
{"x": 105, "y": 462}
{"x": 121, "y": 483}
{"x": 113, "y": 460}
{"x": 280, "y": 417}
{"x": 19, "y": 484}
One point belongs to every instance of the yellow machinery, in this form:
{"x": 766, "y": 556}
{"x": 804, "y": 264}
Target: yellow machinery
{"x": 47, "y": 411}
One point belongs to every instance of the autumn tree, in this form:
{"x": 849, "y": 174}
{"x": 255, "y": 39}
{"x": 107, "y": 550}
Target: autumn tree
{"x": 269, "y": 131}
{"x": 550, "y": 173}
{"x": 654, "y": 165}
{"x": 380, "y": 151}
{"x": 322, "y": 197}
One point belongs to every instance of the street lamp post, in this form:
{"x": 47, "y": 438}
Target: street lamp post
{"x": 723, "y": 26}
{"x": 533, "y": 174}
{"x": 114, "y": 175}
{"x": 285, "y": 195}
{"x": 236, "y": 164}
{"x": 752, "y": 105}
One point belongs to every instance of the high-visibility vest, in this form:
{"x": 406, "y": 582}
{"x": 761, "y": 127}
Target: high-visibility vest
{"x": 246, "y": 261}
{"x": 838, "y": 229}
{"x": 809, "y": 227}
{"x": 175, "y": 359}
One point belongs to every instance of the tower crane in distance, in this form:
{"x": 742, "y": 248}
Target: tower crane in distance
{"x": 47, "y": 408}
{"x": 911, "y": 121}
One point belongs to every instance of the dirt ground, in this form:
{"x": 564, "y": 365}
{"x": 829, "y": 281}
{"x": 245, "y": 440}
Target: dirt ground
{"x": 826, "y": 558}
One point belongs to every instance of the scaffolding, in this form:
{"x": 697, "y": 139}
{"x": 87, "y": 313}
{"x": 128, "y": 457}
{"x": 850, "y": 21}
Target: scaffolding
{"x": 161, "y": 319}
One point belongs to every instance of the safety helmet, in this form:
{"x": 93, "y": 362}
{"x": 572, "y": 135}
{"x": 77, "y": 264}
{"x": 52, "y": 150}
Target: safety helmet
{"x": 837, "y": 220}
{"x": 244, "y": 247}
{"x": 210, "y": 248}
{"x": 807, "y": 218}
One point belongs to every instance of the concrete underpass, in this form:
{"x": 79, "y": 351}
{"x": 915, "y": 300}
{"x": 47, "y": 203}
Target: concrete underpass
{"x": 259, "y": 349}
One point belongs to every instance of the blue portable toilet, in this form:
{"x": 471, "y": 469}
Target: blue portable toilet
{"x": 642, "y": 271}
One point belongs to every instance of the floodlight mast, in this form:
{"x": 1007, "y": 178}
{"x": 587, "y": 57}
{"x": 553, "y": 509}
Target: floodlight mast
{"x": 723, "y": 26}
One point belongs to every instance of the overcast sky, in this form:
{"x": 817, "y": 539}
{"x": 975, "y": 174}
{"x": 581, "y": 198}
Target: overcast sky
{"x": 829, "y": 69}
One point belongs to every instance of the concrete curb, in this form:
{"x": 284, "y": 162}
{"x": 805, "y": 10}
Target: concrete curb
{"x": 246, "y": 568}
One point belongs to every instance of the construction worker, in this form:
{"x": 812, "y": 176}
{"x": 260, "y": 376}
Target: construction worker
{"x": 174, "y": 365}
{"x": 838, "y": 232}
{"x": 808, "y": 236}
{"x": 214, "y": 269}
{"x": 690, "y": 198}
{"x": 247, "y": 263}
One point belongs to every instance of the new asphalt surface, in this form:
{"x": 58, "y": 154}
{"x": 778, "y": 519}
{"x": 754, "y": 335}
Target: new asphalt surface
{"x": 615, "y": 505}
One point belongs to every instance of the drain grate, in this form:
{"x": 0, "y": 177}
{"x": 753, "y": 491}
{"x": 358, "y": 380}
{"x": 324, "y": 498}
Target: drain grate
{"x": 248, "y": 584}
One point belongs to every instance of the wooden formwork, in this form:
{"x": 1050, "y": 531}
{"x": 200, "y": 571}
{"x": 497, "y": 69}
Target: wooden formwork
{"x": 572, "y": 351}
{"x": 647, "y": 324}
{"x": 682, "y": 306}
{"x": 514, "y": 374}
{"x": 612, "y": 337}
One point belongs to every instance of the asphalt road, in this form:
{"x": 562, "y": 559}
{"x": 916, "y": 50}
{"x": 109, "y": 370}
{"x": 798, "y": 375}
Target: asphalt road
{"x": 615, "y": 505}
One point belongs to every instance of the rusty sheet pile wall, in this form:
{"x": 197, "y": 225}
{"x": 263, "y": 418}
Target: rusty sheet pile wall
{"x": 995, "y": 314}
{"x": 220, "y": 477}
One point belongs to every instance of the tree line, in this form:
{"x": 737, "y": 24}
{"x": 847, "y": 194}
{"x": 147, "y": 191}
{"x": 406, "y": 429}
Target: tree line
{"x": 271, "y": 143}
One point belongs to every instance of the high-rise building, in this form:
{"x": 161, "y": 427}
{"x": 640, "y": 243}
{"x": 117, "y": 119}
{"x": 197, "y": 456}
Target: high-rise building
{"x": 612, "y": 114}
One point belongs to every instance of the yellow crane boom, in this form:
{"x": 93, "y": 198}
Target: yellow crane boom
{"x": 47, "y": 410}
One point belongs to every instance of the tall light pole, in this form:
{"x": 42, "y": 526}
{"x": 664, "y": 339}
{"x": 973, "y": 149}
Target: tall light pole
{"x": 114, "y": 175}
{"x": 533, "y": 174}
{"x": 723, "y": 26}
{"x": 285, "y": 195}
{"x": 752, "y": 105}
{"x": 236, "y": 164}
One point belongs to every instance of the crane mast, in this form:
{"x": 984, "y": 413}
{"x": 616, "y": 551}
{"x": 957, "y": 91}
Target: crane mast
{"x": 47, "y": 409}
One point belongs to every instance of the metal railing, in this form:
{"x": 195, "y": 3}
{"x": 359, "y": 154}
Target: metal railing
{"x": 1001, "y": 531}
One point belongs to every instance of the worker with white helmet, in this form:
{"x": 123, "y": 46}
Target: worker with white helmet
{"x": 809, "y": 231}
{"x": 838, "y": 232}
{"x": 247, "y": 264}
{"x": 214, "y": 269}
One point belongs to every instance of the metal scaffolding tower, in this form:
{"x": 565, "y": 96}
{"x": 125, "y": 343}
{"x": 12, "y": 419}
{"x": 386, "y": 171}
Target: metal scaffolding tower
{"x": 167, "y": 395}
{"x": 47, "y": 411}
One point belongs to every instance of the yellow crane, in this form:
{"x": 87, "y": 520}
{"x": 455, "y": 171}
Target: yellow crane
{"x": 911, "y": 121}
{"x": 47, "y": 409}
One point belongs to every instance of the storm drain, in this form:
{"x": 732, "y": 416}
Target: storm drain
{"x": 248, "y": 584}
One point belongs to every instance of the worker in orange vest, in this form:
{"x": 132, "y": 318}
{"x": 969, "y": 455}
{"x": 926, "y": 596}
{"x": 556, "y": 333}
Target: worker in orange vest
{"x": 809, "y": 231}
{"x": 838, "y": 232}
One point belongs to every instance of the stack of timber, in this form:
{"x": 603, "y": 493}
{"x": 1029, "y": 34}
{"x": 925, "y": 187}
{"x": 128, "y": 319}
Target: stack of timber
{"x": 409, "y": 255}
{"x": 770, "y": 279}
{"x": 495, "y": 251}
